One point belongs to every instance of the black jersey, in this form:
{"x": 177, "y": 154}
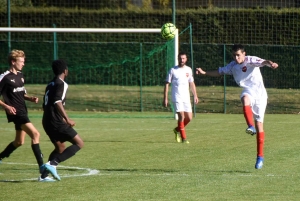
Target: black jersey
{"x": 55, "y": 92}
{"x": 12, "y": 89}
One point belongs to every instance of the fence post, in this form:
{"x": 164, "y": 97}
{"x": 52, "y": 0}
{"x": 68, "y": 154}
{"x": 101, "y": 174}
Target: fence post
{"x": 8, "y": 24}
{"x": 141, "y": 76}
{"x": 224, "y": 49}
{"x": 54, "y": 44}
{"x": 192, "y": 62}
{"x": 174, "y": 12}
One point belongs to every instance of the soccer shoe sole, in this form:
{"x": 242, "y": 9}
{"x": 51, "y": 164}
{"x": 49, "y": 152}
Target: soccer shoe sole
{"x": 250, "y": 132}
{"x": 46, "y": 179}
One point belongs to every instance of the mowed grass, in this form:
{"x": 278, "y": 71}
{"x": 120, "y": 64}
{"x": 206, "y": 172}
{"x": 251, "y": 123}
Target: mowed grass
{"x": 114, "y": 98}
{"x": 133, "y": 156}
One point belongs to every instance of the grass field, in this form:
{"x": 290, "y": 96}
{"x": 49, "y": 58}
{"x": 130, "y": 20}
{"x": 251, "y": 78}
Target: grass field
{"x": 114, "y": 98}
{"x": 130, "y": 157}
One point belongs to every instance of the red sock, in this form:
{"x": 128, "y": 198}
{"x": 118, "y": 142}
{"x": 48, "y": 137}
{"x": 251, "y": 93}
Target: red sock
{"x": 186, "y": 121}
{"x": 181, "y": 129}
{"x": 260, "y": 138}
{"x": 248, "y": 114}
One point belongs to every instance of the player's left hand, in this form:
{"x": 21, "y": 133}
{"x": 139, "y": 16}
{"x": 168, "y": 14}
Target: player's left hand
{"x": 196, "y": 100}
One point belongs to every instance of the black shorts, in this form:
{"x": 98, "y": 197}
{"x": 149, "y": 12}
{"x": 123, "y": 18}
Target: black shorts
{"x": 62, "y": 135}
{"x": 18, "y": 120}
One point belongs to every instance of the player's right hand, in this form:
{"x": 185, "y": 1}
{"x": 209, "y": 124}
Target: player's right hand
{"x": 165, "y": 103}
{"x": 11, "y": 110}
{"x": 200, "y": 71}
{"x": 70, "y": 122}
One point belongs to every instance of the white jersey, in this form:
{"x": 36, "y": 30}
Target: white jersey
{"x": 247, "y": 76}
{"x": 180, "y": 77}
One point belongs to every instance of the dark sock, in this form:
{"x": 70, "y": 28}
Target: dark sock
{"x": 7, "y": 151}
{"x": 44, "y": 174}
{"x": 53, "y": 155}
{"x": 38, "y": 154}
{"x": 54, "y": 162}
{"x": 66, "y": 154}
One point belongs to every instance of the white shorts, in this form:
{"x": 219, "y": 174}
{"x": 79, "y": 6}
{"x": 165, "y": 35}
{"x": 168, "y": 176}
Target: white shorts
{"x": 258, "y": 107}
{"x": 182, "y": 107}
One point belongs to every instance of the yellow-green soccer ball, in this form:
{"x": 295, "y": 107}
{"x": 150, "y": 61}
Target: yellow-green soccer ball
{"x": 168, "y": 31}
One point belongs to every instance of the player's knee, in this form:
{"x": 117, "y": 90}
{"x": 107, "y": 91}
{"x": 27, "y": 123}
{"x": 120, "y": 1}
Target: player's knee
{"x": 80, "y": 144}
{"x": 188, "y": 118}
{"x": 35, "y": 137}
{"x": 37, "y": 134}
{"x": 78, "y": 141}
{"x": 246, "y": 100}
{"x": 18, "y": 143}
{"x": 59, "y": 147}
{"x": 60, "y": 150}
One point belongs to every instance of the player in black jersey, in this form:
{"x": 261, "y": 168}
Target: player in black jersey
{"x": 56, "y": 123}
{"x": 14, "y": 95}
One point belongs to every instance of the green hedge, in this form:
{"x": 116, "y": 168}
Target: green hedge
{"x": 225, "y": 26}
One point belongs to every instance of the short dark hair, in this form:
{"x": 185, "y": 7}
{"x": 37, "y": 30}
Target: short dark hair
{"x": 237, "y": 47}
{"x": 182, "y": 53}
{"x": 58, "y": 66}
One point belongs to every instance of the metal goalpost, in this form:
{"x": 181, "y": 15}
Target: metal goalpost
{"x": 98, "y": 30}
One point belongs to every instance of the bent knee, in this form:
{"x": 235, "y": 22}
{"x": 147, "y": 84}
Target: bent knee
{"x": 81, "y": 145}
{"x": 18, "y": 143}
{"x": 78, "y": 141}
{"x": 35, "y": 135}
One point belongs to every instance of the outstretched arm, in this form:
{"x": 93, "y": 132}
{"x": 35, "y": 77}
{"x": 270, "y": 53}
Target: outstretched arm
{"x": 213, "y": 73}
{"x": 270, "y": 63}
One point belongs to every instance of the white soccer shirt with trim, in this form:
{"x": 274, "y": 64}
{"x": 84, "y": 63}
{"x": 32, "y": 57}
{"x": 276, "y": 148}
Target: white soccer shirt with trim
{"x": 180, "y": 77}
{"x": 247, "y": 76}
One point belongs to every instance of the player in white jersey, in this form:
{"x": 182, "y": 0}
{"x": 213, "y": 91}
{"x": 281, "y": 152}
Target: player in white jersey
{"x": 182, "y": 80}
{"x": 246, "y": 73}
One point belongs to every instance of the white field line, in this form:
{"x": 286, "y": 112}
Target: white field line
{"x": 89, "y": 172}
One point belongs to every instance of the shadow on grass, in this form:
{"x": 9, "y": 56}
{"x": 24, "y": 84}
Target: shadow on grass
{"x": 139, "y": 170}
{"x": 229, "y": 171}
{"x": 114, "y": 141}
{"x": 17, "y": 181}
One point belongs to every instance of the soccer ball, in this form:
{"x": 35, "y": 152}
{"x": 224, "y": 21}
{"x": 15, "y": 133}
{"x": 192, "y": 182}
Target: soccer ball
{"x": 168, "y": 31}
